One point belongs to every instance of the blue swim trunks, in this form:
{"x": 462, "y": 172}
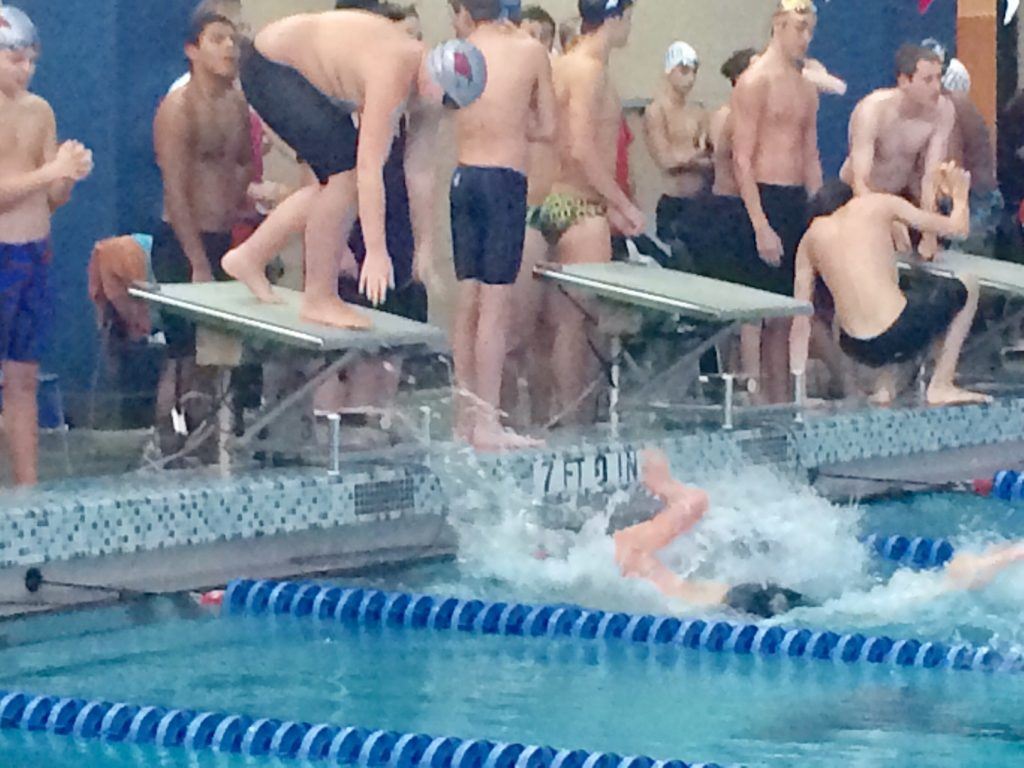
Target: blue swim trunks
{"x": 26, "y": 306}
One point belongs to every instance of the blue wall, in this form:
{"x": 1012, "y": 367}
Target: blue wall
{"x": 856, "y": 40}
{"x": 104, "y": 66}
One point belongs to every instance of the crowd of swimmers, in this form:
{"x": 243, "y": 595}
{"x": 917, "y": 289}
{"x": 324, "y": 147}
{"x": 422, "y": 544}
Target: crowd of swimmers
{"x": 542, "y": 175}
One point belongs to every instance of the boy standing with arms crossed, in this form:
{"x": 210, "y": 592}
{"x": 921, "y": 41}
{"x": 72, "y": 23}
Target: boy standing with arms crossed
{"x": 36, "y": 177}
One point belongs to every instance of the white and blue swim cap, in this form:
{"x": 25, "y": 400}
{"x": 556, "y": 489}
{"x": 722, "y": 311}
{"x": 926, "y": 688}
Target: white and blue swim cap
{"x": 956, "y": 78}
{"x": 681, "y": 54}
{"x": 16, "y": 29}
{"x": 460, "y": 70}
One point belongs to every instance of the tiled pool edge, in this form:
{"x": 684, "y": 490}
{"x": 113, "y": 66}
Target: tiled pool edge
{"x": 135, "y": 514}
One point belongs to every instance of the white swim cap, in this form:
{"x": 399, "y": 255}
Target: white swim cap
{"x": 956, "y": 79}
{"x": 459, "y": 68}
{"x": 681, "y": 54}
{"x": 16, "y": 29}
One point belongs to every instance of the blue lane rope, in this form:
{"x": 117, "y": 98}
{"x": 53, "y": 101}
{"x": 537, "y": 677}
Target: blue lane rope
{"x": 199, "y": 731}
{"x": 919, "y": 552}
{"x": 370, "y": 607}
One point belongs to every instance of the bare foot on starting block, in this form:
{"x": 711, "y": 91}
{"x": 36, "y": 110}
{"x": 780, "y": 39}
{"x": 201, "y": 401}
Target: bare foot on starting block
{"x": 252, "y": 275}
{"x": 333, "y": 312}
{"x": 940, "y": 395}
{"x": 494, "y": 437}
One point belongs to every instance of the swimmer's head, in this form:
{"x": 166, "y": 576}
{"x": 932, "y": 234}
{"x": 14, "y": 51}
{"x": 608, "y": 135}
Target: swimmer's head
{"x": 766, "y": 602}
{"x": 539, "y": 25}
{"x": 19, "y": 49}
{"x": 467, "y": 14}
{"x": 832, "y": 196}
{"x": 793, "y": 27}
{"x": 212, "y": 45}
{"x": 737, "y": 64}
{"x": 454, "y": 74}
{"x": 919, "y": 74}
{"x": 569, "y": 33}
{"x": 614, "y": 15}
{"x": 681, "y": 65}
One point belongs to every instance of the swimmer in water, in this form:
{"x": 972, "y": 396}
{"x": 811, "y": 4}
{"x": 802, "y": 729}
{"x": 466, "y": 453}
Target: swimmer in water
{"x": 685, "y": 506}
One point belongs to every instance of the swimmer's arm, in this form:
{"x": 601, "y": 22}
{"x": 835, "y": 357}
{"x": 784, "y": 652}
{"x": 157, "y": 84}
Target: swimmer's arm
{"x": 584, "y": 106}
{"x": 747, "y": 109}
{"x": 171, "y": 140}
{"x": 420, "y": 181}
{"x": 17, "y": 187}
{"x": 654, "y": 133}
{"x": 59, "y": 192}
{"x": 803, "y": 290}
{"x": 376, "y": 132}
{"x": 936, "y": 153}
{"x": 812, "y": 157}
{"x": 957, "y": 224}
{"x": 863, "y": 137}
{"x": 544, "y": 125}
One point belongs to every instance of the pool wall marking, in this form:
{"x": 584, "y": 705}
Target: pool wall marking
{"x": 199, "y": 731}
{"x": 370, "y": 607}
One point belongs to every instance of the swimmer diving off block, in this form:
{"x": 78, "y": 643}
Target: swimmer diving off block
{"x": 685, "y": 506}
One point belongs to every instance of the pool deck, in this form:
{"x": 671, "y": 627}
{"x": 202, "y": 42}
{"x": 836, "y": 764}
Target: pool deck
{"x": 175, "y": 531}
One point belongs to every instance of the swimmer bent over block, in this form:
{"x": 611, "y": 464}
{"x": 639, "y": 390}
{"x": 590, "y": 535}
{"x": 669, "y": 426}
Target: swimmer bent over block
{"x": 307, "y": 76}
{"x": 684, "y": 507}
{"x": 849, "y": 245}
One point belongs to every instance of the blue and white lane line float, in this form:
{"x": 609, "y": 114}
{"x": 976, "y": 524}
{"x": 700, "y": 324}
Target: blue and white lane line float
{"x": 370, "y": 607}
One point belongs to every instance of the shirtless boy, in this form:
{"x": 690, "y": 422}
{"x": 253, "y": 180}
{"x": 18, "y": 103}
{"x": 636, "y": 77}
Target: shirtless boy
{"x": 777, "y": 165}
{"x": 899, "y": 137}
{"x": 36, "y": 177}
{"x": 677, "y": 133}
{"x": 203, "y": 141}
{"x": 849, "y": 245}
{"x": 586, "y": 197}
{"x": 488, "y": 206}
{"x": 307, "y": 76}
{"x": 527, "y": 368}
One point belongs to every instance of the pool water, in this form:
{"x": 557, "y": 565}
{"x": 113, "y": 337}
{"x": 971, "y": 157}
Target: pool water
{"x": 666, "y": 704}
{"x": 613, "y": 697}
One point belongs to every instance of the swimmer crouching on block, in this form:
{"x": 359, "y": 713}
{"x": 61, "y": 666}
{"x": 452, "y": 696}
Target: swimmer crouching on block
{"x": 685, "y": 506}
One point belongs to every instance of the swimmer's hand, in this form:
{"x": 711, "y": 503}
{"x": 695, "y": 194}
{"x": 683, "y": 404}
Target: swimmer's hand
{"x": 769, "y": 245}
{"x": 815, "y": 73}
{"x": 73, "y": 162}
{"x": 630, "y": 220}
{"x": 376, "y": 277}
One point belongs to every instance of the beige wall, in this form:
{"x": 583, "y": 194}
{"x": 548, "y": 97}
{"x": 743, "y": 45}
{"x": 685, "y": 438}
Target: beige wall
{"x": 714, "y": 27}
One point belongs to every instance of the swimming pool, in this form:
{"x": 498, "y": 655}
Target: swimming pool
{"x": 663, "y": 702}
{"x": 607, "y": 697}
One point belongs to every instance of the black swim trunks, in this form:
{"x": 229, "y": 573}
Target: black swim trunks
{"x": 488, "y": 223}
{"x": 171, "y": 265}
{"x": 932, "y": 303}
{"x": 319, "y": 129}
{"x": 786, "y": 209}
{"x": 408, "y": 301}
{"x": 26, "y": 301}
{"x": 766, "y": 601}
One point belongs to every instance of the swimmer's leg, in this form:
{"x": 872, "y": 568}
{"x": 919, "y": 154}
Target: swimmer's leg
{"x": 490, "y": 349}
{"x": 942, "y": 390}
{"x": 21, "y": 418}
{"x": 527, "y": 304}
{"x": 331, "y": 216}
{"x": 775, "y": 361}
{"x": 464, "y": 333}
{"x": 248, "y": 262}
{"x": 586, "y": 242}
